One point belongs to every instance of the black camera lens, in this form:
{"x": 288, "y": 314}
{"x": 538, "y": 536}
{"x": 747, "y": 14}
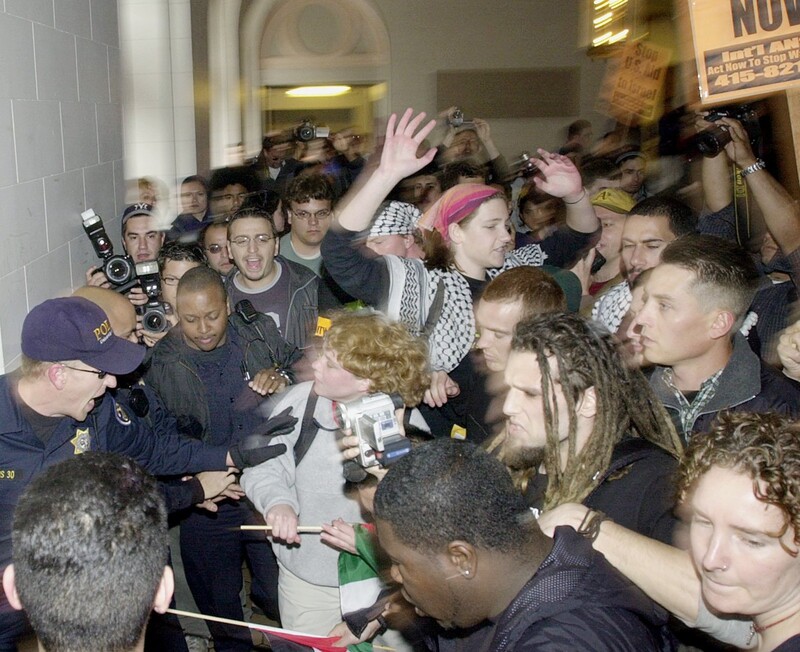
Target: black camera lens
{"x": 305, "y": 133}
{"x": 155, "y": 321}
{"x": 119, "y": 271}
{"x": 712, "y": 141}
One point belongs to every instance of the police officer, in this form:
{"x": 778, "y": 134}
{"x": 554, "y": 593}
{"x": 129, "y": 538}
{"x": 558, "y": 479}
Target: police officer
{"x": 56, "y": 406}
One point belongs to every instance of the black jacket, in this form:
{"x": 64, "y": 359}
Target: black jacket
{"x": 746, "y": 385}
{"x": 637, "y": 490}
{"x": 576, "y": 601}
{"x": 301, "y": 320}
{"x": 108, "y": 427}
{"x": 178, "y": 384}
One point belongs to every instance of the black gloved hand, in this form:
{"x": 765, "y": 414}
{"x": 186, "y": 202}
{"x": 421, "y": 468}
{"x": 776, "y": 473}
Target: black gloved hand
{"x": 280, "y": 424}
{"x": 255, "y": 449}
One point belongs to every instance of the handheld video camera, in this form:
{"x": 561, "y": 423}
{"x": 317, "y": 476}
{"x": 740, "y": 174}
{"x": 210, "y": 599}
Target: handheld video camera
{"x": 456, "y": 120}
{"x": 154, "y": 312}
{"x": 712, "y": 141}
{"x": 523, "y": 166}
{"x": 307, "y": 131}
{"x": 119, "y": 270}
{"x": 372, "y": 419}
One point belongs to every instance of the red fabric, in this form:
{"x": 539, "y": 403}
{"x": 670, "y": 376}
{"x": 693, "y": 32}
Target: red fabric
{"x": 321, "y": 643}
{"x": 454, "y": 205}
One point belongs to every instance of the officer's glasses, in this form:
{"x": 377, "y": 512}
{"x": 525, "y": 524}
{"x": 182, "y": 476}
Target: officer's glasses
{"x": 99, "y": 374}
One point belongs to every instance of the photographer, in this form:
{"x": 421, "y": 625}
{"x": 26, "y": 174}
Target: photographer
{"x": 363, "y": 353}
{"x": 470, "y": 140}
{"x": 778, "y": 256}
{"x": 275, "y": 165}
{"x": 142, "y": 241}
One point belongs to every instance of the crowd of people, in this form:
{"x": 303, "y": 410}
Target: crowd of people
{"x": 420, "y": 399}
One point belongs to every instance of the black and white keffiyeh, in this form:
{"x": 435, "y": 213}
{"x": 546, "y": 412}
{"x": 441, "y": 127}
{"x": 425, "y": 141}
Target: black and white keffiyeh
{"x": 412, "y": 291}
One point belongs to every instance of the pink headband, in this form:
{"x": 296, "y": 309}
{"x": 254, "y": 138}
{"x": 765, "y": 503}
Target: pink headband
{"x": 454, "y": 205}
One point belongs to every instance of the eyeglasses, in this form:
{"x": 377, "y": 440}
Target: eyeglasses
{"x": 244, "y": 240}
{"x": 99, "y": 374}
{"x": 215, "y": 248}
{"x": 170, "y": 280}
{"x": 319, "y": 215}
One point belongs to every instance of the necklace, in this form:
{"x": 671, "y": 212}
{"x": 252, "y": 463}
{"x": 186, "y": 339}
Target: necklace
{"x": 760, "y": 629}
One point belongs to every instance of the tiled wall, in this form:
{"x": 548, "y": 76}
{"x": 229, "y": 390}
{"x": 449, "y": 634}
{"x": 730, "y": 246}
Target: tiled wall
{"x": 62, "y": 149}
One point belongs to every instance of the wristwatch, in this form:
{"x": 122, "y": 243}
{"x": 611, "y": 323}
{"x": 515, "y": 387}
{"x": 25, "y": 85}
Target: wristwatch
{"x": 755, "y": 167}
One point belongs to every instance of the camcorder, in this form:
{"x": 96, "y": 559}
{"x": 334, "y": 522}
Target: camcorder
{"x": 522, "y": 166}
{"x": 154, "y": 312}
{"x": 307, "y": 131}
{"x": 119, "y": 270}
{"x": 373, "y": 421}
{"x": 456, "y": 120}
{"x": 712, "y": 141}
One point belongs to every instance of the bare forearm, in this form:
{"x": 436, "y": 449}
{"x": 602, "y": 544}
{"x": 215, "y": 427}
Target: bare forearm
{"x": 717, "y": 187}
{"x": 664, "y": 573}
{"x": 398, "y": 159}
{"x": 356, "y": 210}
{"x": 580, "y": 214}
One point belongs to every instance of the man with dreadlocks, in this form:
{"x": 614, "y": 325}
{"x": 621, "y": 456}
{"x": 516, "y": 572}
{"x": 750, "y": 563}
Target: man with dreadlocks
{"x": 583, "y": 428}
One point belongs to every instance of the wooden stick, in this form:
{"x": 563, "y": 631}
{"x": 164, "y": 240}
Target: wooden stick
{"x": 255, "y": 626}
{"x": 229, "y": 621}
{"x": 302, "y": 529}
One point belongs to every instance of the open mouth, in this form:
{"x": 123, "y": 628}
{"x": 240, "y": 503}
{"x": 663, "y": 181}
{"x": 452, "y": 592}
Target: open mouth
{"x": 253, "y": 264}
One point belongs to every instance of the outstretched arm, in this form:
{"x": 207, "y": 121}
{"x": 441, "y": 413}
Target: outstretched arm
{"x": 398, "y": 159}
{"x": 716, "y": 175}
{"x": 781, "y": 212}
{"x": 666, "y": 574}
{"x": 562, "y": 179}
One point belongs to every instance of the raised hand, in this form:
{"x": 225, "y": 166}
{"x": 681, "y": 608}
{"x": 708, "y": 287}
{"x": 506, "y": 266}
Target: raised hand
{"x": 738, "y": 150}
{"x": 403, "y": 139}
{"x": 560, "y": 177}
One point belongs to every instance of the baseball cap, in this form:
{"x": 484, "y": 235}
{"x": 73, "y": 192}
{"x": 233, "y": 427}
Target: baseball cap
{"x": 631, "y": 153}
{"x": 74, "y": 328}
{"x": 137, "y": 209}
{"x": 615, "y": 200}
{"x": 569, "y": 284}
{"x": 395, "y": 218}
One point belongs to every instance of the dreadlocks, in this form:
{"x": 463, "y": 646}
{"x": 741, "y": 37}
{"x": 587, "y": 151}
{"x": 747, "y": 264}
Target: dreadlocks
{"x": 577, "y": 354}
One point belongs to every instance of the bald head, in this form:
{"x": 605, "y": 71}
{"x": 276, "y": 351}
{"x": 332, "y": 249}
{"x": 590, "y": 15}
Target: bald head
{"x": 120, "y": 312}
{"x": 201, "y": 279}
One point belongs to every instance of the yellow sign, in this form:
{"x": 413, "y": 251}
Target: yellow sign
{"x": 745, "y": 48}
{"x": 323, "y": 325}
{"x": 633, "y": 87}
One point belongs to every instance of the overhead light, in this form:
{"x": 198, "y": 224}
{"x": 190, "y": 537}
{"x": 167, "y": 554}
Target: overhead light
{"x": 619, "y": 36}
{"x": 317, "y": 91}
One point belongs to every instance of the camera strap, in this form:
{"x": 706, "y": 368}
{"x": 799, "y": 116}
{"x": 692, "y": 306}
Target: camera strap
{"x": 434, "y": 312}
{"x": 308, "y": 429}
{"x": 740, "y": 196}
